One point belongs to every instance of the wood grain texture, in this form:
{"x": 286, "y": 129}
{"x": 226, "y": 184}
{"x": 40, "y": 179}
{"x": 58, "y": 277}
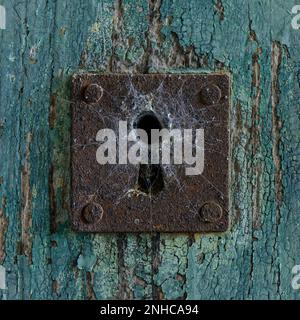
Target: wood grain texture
{"x": 45, "y": 43}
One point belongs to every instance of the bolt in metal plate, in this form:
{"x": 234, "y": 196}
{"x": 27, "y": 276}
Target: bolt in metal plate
{"x": 117, "y": 197}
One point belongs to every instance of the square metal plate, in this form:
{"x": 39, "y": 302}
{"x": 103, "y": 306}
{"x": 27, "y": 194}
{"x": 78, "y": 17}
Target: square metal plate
{"x": 116, "y": 197}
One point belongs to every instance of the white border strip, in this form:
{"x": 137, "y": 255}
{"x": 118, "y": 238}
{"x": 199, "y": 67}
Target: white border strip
{"x": 2, "y": 278}
{"x": 2, "y": 18}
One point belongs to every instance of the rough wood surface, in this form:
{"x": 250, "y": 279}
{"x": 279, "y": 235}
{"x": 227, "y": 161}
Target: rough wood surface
{"x": 45, "y": 42}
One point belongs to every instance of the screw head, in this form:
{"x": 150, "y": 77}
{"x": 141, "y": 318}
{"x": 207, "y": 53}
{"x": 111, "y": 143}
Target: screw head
{"x": 210, "y": 94}
{"x": 93, "y": 93}
{"x": 211, "y": 212}
{"x": 92, "y": 213}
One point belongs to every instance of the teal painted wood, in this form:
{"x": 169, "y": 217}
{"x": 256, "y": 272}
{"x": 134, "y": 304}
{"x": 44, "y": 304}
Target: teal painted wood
{"x": 44, "y": 44}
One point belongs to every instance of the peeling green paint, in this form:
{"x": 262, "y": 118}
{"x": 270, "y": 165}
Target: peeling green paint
{"x": 45, "y": 42}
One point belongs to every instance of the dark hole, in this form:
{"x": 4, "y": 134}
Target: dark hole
{"x": 150, "y": 178}
{"x": 147, "y": 122}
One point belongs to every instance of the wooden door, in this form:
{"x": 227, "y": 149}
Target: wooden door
{"x": 44, "y": 43}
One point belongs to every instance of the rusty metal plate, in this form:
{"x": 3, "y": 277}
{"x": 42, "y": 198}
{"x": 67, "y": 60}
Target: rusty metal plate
{"x": 149, "y": 197}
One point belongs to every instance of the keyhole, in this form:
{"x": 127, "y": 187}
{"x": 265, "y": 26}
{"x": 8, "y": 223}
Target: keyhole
{"x": 148, "y": 121}
{"x": 150, "y": 180}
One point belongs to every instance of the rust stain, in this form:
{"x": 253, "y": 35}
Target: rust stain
{"x": 116, "y": 37}
{"x": 256, "y": 213}
{"x": 220, "y": 9}
{"x": 187, "y": 57}
{"x": 276, "y": 122}
{"x": 124, "y": 291}
{"x": 3, "y": 230}
{"x": 157, "y": 293}
{"x": 155, "y": 21}
{"x": 140, "y": 282}
{"x": 65, "y": 196}
{"x": 255, "y": 137}
{"x": 55, "y": 287}
{"x": 26, "y": 196}
{"x": 52, "y": 112}
{"x": 89, "y": 286}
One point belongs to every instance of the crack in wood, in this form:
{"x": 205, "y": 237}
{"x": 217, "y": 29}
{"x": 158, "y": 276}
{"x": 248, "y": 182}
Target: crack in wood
{"x": 26, "y": 215}
{"x": 3, "y": 230}
{"x": 276, "y": 124}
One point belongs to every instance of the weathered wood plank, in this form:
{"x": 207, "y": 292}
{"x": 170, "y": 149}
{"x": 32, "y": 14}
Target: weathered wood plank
{"x": 44, "y": 44}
